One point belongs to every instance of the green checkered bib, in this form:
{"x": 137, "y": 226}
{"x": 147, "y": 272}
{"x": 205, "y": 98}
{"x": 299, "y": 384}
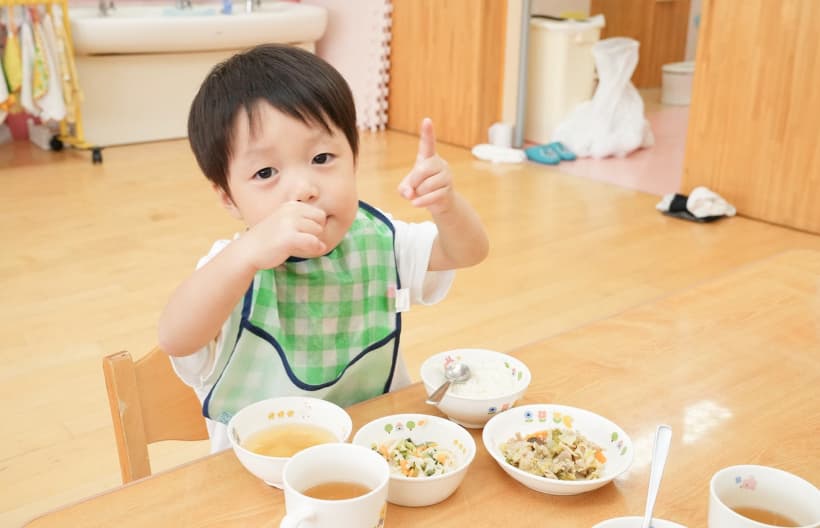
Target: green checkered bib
{"x": 324, "y": 327}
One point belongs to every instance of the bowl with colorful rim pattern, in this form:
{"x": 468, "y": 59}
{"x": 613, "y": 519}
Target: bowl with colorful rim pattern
{"x": 264, "y": 435}
{"x": 428, "y": 455}
{"x": 496, "y": 382}
{"x": 558, "y": 440}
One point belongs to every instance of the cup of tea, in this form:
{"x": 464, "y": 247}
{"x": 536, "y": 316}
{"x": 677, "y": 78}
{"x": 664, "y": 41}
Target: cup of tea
{"x": 760, "y": 496}
{"x": 335, "y": 486}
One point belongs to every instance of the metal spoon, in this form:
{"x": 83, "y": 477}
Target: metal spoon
{"x": 455, "y": 372}
{"x": 660, "y": 450}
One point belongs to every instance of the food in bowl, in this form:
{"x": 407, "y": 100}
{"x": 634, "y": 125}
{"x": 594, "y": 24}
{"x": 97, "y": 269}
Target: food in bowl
{"x": 614, "y": 444}
{"x": 411, "y": 432}
{"x": 496, "y": 383}
{"x": 411, "y": 459}
{"x": 287, "y": 418}
{"x": 562, "y": 454}
{"x": 487, "y": 380}
{"x": 286, "y": 440}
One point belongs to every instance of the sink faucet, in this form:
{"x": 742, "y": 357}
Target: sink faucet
{"x": 250, "y": 5}
{"x": 106, "y": 6}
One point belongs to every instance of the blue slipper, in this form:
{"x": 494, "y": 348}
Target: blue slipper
{"x": 543, "y": 154}
{"x": 562, "y": 151}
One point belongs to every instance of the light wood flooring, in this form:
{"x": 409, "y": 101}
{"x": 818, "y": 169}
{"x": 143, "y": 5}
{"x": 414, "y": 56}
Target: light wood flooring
{"x": 89, "y": 255}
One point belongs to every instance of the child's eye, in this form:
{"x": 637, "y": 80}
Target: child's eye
{"x": 264, "y": 174}
{"x": 323, "y": 158}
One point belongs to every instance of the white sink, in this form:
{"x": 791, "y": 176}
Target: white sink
{"x": 165, "y": 29}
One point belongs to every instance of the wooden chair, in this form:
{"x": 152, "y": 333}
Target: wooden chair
{"x": 149, "y": 403}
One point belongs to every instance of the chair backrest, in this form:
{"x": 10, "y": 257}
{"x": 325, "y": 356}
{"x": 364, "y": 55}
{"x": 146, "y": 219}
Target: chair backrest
{"x": 149, "y": 403}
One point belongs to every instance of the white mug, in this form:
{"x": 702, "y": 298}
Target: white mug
{"x": 337, "y": 462}
{"x": 762, "y": 488}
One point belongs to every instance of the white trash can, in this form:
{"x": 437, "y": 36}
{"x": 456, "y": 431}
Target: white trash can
{"x": 560, "y": 72}
{"x": 676, "y": 85}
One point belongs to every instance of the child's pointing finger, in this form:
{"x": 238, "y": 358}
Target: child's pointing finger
{"x": 427, "y": 140}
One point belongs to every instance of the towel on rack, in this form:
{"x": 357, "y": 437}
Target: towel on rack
{"x": 52, "y": 103}
{"x": 39, "y": 74}
{"x": 4, "y": 97}
{"x": 12, "y": 60}
{"x": 67, "y": 73}
{"x": 27, "y": 58}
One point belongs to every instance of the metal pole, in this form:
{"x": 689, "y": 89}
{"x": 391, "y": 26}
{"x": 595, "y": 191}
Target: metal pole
{"x": 523, "y": 53}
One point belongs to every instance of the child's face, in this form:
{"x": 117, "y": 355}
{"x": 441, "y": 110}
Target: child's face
{"x": 279, "y": 159}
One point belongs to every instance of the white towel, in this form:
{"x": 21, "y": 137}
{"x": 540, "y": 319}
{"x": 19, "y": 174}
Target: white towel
{"x": 27, "y": 54}
{"x": 52, "y": 103}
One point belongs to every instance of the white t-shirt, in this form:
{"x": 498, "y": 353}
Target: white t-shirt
{"x": 413, "y": 243}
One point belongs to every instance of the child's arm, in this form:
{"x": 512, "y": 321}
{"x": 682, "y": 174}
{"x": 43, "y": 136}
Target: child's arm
{"x": 200, "y": 305}
{"x": 461, "y": 240}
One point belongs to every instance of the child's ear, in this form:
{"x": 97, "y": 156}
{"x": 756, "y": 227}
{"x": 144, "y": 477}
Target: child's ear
{"x": 227, "y": 202}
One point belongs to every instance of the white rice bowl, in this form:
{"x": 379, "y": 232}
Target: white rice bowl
{"x": 496, "y": 382}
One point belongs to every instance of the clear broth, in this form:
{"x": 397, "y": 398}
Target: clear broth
{"x": 765, "y": 516}
{"x": 336, "y": 491}
{"x": 286, "y": 440}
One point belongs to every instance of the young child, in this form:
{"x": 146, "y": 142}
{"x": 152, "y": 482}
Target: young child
{"x": 306, "y": 301}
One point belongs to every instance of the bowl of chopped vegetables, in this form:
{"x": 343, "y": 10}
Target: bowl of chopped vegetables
{"x": 428, "y": 456}
{"x": 557, "y": 449}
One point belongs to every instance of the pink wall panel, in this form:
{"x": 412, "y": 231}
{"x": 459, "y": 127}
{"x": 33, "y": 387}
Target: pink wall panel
{"x": 357, "y": 43}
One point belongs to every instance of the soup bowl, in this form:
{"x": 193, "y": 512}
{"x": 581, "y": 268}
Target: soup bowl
{"x": 285, "y": 412}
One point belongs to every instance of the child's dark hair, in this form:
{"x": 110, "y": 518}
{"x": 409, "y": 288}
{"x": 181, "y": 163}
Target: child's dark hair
{"x": 294, "y": 81}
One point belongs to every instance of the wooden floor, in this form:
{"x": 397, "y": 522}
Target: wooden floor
{"x": 91, "y": 253}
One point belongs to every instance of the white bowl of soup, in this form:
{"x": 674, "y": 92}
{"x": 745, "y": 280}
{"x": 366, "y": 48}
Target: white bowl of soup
{"x": 428, "y": 456}
{"x": 265, "y": 434}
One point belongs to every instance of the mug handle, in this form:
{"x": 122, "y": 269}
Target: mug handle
{"x": 294, "y": 520}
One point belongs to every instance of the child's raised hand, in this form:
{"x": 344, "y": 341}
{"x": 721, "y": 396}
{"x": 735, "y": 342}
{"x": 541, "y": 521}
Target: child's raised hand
{"x": 292, "y": 230}
{"x": 430, "y": 183}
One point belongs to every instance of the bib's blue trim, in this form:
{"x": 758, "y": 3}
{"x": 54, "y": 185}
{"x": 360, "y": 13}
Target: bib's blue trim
{"x": 381, "y": 216}
{"x": 246, "y": 311}
{"x": 307, "y": 386}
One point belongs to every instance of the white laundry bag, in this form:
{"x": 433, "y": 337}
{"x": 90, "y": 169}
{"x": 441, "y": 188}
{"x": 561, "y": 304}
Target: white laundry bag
{"x": 612, "y": 123}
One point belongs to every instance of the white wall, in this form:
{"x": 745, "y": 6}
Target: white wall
{"x": 509, "y": 89}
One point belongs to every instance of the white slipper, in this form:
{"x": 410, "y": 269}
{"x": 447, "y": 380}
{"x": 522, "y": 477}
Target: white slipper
{"x": 703, "y": 202}
{"x": 498, "y": 154}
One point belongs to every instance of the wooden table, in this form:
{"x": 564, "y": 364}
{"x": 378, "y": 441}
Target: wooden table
{"x": 733, "y": 365}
